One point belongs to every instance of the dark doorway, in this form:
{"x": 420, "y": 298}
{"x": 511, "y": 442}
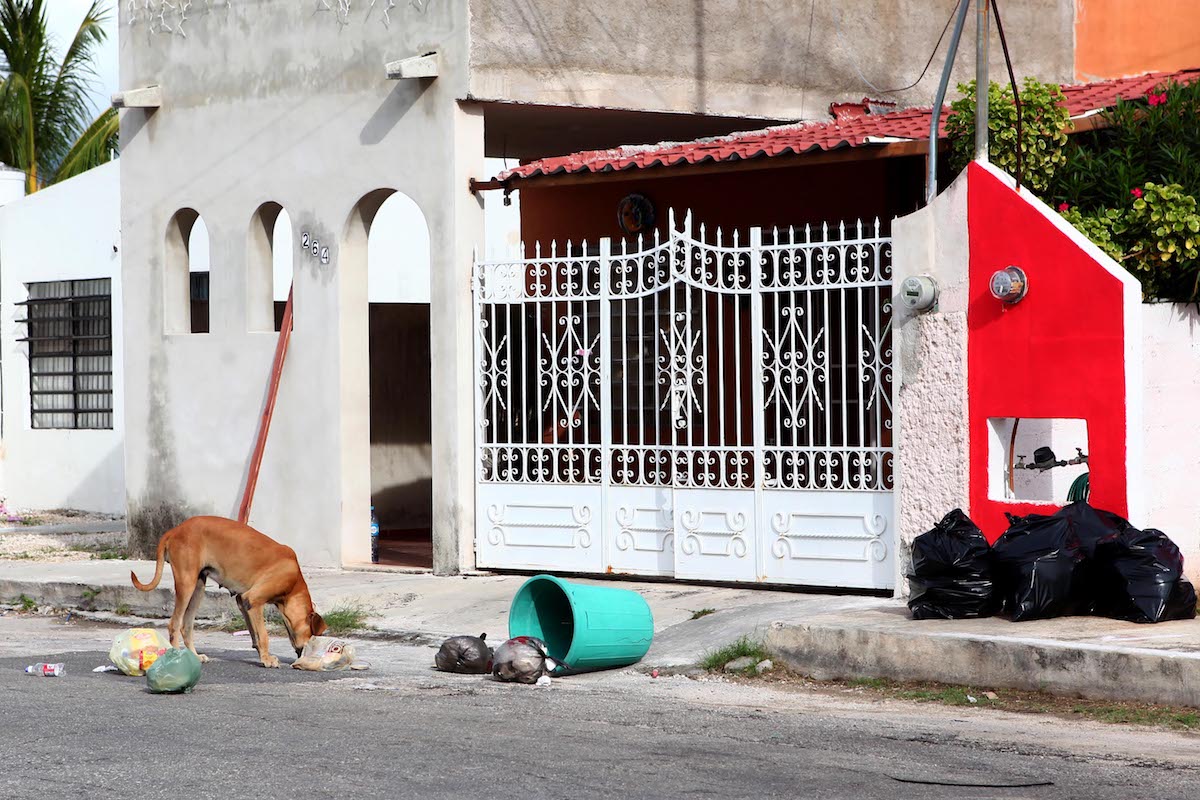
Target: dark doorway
{"x": 401, "y": 465}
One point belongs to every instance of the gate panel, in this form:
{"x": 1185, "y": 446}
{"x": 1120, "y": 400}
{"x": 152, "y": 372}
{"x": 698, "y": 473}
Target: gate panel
{"x": 699, "y": 408}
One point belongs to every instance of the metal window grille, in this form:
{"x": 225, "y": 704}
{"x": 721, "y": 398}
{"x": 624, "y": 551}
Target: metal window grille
{"x": 69, "y": 333}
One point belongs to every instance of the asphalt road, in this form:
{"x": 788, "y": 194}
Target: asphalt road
{"x": 403, "y": 730}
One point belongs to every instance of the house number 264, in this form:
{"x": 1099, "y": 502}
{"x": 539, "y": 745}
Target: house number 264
{"x": 314, "y": 248}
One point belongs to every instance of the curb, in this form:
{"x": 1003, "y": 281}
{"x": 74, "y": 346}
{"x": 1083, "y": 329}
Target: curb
{"x": 156, "y": 603}
{"x": 825, "y": 652}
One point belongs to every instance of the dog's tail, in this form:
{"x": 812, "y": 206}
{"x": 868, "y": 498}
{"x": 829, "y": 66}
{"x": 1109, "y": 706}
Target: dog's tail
{"x": 158, "y": 567}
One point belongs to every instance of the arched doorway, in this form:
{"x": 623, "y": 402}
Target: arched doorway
{"x": 397, "y": 277}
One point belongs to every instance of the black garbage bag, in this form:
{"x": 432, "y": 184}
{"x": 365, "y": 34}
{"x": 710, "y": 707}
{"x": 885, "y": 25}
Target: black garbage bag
{"x": 1139, "y": 578}
{"x": 951, "y": 572}
{"x": 468, "y": 655}
{"x": 1039, "y": 568}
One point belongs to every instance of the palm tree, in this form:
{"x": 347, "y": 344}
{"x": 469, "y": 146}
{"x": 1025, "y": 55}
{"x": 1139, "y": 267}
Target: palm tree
{"x": 46, "y": 124}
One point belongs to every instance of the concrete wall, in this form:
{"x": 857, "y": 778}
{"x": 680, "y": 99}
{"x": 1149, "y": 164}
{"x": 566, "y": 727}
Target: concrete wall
{"x": 1172, "y": 386}
{"x": 931, "y": 370}
{"x": 66, "y": 232}
{"x": 766, "y": 59}
{"x": 274, "y": 101}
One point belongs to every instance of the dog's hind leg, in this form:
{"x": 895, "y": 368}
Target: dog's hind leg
{"x": 189, "y": 617}
{"x": 185, "y": 585}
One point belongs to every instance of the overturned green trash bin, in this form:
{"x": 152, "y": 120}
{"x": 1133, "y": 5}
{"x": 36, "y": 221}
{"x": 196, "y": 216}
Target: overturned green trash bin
{"x": 584, "y": 627}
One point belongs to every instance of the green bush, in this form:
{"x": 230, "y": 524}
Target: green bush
{"x": 1043, "y": 130}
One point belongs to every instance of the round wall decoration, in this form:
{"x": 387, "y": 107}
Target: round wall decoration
{"x": 635, "y": 214}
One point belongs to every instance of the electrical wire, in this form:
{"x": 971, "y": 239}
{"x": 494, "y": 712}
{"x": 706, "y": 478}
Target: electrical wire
{"x": 837, "y": 24}
{"x": 1012, "y": 80}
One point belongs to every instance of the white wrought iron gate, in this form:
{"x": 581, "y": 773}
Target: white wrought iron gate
{"x": 716, "y": 410}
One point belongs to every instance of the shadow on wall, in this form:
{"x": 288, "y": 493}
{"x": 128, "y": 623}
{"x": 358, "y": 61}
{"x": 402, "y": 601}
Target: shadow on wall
{"x": 393, "y": 108}
{"x": 406, "y": 506}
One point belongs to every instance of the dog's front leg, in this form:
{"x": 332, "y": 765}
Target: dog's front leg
{"x": 258, "y": 628}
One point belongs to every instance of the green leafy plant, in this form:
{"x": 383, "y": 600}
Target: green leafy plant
{"x": 1044, "y": 122}
{"x": 1156, "y": 236}
{"x": 26, "y": 603}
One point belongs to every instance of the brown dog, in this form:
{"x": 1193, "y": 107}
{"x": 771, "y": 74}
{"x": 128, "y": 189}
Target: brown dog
{"x": 255, "y": 569}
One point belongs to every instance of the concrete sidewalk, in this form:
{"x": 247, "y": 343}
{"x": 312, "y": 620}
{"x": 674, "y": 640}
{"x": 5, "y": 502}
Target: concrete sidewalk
{"x": 823, "y": 636}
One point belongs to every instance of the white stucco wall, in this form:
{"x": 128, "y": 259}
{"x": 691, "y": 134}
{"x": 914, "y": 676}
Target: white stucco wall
{"x": 931, "y": 370}
{"x": 65, "y": 232}
{"x": 1172, "y": 396}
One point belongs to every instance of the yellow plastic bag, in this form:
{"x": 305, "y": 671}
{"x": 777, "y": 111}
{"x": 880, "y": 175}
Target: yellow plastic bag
{"x": 134, "y": 650}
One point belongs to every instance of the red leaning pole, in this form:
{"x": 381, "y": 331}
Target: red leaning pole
{"x": 264, "y": 425}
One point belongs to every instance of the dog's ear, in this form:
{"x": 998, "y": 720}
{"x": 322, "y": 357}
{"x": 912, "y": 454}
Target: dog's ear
{"x": 316, "y": 624}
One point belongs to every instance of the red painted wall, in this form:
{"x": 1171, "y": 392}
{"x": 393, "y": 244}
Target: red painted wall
{"x": 1059, "y": 353}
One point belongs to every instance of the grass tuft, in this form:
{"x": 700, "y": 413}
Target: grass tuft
{"x": 102, "y": 552}
{"x": 346, "y": 618}
{"x": 715, "y": 660}
{"x": 704, "y": 612}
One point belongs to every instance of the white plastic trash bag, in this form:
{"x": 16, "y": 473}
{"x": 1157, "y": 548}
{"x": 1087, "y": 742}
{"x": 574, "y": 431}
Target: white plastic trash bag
{"x": 327, "y": 654}
{"x": 134, "y": 650}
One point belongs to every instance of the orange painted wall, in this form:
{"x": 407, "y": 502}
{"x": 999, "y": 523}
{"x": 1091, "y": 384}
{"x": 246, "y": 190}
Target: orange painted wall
{"x": 1116, "y": 38}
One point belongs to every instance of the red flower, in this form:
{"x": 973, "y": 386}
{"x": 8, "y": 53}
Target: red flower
{"x": 1156, "y": 99}
{"x": 1136, "y": 193}
{"x": 1063, "y": 207}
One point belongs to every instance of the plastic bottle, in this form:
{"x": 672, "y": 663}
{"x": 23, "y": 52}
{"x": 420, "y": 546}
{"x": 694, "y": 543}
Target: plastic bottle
{"x": 46, "y": 670}
{"x": 374, "y": 537}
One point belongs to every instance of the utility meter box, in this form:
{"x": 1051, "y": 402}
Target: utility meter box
{"x": 919, "y": 293}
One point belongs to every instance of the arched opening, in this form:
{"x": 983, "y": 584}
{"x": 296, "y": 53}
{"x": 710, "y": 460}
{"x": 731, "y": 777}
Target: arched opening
{"x": 269, "y": 261}
{"x": 186, "y": 274}
{"x": 386, "y": 253}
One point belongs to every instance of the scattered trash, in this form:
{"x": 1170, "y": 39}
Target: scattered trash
{"x": 134, "y": 650}
{"x": 47, "y": 670}
{"x": 766, "y": 665}
{"x": 991, "y": 696}
{"x": 522, "y": 659}
{"x": 467, "y": 655}
{"x": 542, "y": 681}
{"x": 971, "y": 699}
{"x": 174, "y": 672}
{"x": 106, "y": 668}
{"x": 653, "y": 673}
{"x": 325, "y": 654}
{"x": 951, "y": 571}
{"x": 241, "y": 633}
{"x": 367, "y": 687}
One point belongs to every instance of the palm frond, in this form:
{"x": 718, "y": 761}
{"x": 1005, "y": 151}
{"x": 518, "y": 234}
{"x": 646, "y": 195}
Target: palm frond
{"x": 93, "y": 148}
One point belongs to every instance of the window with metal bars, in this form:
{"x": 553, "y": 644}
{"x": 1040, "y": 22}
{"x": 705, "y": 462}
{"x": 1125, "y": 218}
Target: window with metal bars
{"x": 69, "y": 333}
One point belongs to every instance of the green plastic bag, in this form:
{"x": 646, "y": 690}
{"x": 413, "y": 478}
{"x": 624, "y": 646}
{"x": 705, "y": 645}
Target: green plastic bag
{"x": 175, "y": 671}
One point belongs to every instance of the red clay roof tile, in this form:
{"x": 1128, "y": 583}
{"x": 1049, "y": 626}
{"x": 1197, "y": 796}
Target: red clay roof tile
{"x": 912, "y": 123}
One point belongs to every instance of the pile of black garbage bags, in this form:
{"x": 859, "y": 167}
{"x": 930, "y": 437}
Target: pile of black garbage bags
{"x": 1081, "y": 560}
